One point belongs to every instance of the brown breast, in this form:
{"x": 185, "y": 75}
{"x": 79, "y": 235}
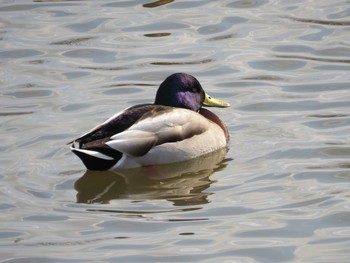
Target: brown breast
{"x": 211, "y": 116}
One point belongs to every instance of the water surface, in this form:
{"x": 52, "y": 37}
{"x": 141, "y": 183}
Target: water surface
{"x": 280, "y": 193}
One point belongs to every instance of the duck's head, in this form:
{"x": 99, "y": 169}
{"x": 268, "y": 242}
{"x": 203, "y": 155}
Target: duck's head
{"x": 184, "y": 91}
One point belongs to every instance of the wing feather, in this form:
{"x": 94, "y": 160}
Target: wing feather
{"x": 163, "y": 126}
{"x": 114, "y": 125}
{"x": 133, "y": 142}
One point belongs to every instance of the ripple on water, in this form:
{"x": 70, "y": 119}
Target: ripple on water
{"x": 224, "y": 25}
{"x": 95, "y": 55}
{"x": 84, "y": 27}
{"x": 29, "y": 93}
{"x": 278, "y": 65}
{"x": 20, "y": 53}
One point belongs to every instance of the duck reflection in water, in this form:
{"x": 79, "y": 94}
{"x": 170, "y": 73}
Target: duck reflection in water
{"x": 181, "y": 183}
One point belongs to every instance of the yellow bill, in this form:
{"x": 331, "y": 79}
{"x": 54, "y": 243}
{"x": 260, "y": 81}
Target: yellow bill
{"x": 211, "y": 102}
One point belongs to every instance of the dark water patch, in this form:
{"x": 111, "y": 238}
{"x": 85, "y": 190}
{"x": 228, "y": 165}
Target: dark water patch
{"x": 157, "y": 34}
{"x": 72, "y": 41}
{"x": 337, "y": 115}
{"x": 187, "y": 234}
{"x": 204, "y": 61}
{"x": 26, "y": 85}
{"x": 72, "y": 243}
{"x": 144, "y": 211}
{"x": 222, "y": 37}
{"x": 183, "y": 219}
{"x": 131, "y": 84}
{"x": 123, "y": 4}
{"x": 334, "y": 143}
{"x": 320, "y": 21}
{"x": 2, "y": 114}
{"x": 157, "y": 3}
{"x": 247, "y": 3}
{"x": 343, "y": 175}
{"x": 108, "y": 68}
{"x": 332, "y": 166}
{"x": 330, "y": 60}
{"x": 337, "y": 152}
{"x": 37, "y": 61}
{"x": 265, "y": 77}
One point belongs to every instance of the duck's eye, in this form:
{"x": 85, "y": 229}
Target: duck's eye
{"x": 194, "y": 89}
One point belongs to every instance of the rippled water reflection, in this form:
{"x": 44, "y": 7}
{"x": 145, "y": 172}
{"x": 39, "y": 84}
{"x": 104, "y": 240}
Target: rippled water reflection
{"x": 281, "y": 192}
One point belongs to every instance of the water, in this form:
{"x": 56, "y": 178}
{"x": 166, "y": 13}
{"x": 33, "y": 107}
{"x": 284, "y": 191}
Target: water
{"x": 281, "y": 192}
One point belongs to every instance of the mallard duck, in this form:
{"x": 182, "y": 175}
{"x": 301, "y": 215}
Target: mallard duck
{"x": 173, "y": 129}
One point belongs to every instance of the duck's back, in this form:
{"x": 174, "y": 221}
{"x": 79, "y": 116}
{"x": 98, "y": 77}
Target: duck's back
{"x": 114, "y": 125}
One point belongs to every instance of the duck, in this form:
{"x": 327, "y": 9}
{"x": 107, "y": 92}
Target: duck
{"x": 174, "y": 128}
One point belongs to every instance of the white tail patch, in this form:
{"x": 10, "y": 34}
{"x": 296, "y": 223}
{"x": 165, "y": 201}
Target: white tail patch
{"x": 94, "y": 154}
